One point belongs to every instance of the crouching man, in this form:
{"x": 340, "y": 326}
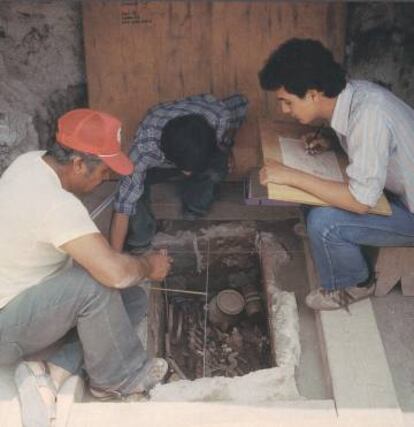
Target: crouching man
{"x": 96, "y": 304}
{"x": 190, "y": 140}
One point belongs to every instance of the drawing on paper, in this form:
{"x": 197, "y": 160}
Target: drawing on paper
{"x": 324, "y": 165}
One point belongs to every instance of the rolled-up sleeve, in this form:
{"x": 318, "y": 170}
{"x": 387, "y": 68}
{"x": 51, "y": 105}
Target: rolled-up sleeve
{"x": 368, "y": 151}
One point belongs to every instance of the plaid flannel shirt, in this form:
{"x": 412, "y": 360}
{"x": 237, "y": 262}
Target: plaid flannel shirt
{"x": 223, "y": 115}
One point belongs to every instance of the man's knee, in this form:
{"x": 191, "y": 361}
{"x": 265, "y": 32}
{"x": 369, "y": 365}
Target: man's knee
{"x": 88, "y": 288}
{"x": 142, "y": 225}
{"x": 320, "y": 220}
{"x": 135, "y": 300}
{"x": 135, "y": 296}
{"x": 198, "y": 194}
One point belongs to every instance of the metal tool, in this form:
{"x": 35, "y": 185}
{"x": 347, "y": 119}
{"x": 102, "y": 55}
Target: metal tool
{"x": 181, "y": 291}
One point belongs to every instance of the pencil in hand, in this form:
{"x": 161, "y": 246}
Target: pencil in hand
{"x": 315, "y": 143}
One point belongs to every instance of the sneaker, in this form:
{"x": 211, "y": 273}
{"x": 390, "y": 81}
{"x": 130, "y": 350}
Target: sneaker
{"x": 156, "y": 369}
{"x": 322, "y": 299}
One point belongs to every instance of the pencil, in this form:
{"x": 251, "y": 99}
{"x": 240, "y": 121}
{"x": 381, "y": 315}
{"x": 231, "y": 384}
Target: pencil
{"x": 309, "y": 146}
{"x": 318, "y": 131}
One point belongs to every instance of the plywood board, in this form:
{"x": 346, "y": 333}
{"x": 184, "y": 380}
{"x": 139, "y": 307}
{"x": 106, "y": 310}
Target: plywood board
{"x": 141, "y": 53}
{"x": 269, "y": 137}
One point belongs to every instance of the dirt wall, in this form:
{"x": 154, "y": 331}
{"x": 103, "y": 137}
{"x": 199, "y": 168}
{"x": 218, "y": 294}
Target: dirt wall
{"x": 41, "y": 69}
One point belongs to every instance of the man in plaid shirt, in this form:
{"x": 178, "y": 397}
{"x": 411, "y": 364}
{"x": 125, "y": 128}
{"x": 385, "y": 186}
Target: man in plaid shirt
{"x": 191, "y": 138}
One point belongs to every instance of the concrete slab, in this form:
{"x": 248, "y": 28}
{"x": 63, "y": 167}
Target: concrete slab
{"x": 361, "y": 379}
{"x": 154, "y": 414}
{"x": 395, "y": 318}
{"x": 409, "y": 419}
{"x": 70, "y": 393}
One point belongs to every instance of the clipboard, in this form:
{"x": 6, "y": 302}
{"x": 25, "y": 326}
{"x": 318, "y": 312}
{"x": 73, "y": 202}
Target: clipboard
{"x": 271, "y": 150}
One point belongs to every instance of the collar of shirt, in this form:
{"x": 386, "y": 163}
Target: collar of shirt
{"x": 340, "y": 116}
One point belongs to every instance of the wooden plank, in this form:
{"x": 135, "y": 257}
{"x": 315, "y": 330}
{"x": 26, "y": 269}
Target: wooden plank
{"x": 141, "y": 53}
{"x": 156, "y": 324}
{"x": 392, "y": 265}
{"x": 269, "y": 133}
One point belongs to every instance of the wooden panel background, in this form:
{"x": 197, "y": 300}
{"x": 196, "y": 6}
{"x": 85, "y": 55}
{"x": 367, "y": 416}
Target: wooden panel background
{"x": 141, "y": 53}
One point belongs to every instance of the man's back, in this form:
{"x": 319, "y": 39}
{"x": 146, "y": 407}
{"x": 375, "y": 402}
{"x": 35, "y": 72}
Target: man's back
{"x": 36, "y": 217}
{"x": 379, "y": 131}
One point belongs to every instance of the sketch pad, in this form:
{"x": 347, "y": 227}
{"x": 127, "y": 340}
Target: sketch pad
{"x": 275, "y": 140}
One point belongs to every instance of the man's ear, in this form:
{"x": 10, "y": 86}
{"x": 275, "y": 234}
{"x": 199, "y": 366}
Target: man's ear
{"x": 313, "y": 95}
{"x": 79, "y": 166}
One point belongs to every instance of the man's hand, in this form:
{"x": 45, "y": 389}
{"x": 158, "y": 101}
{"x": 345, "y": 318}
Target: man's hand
{"x": 159, "y": 264}
{"x": 274, "y": 172}
{"x": 315, "y": 145}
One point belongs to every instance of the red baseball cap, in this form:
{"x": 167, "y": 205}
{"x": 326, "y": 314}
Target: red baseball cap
{"x": 93, "y": 132}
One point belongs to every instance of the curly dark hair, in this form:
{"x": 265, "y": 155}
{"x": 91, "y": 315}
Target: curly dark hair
{"x": 302, "y": 64}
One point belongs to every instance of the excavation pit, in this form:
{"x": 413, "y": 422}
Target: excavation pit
{"x": 223, "y": 314}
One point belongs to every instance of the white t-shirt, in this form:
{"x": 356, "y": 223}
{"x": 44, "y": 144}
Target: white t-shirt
{"x": 37, "y": 216}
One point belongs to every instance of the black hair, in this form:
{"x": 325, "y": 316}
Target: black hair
{"x": 302, "y": 64}
{"x": 63, "y": 155}
{"x": 189, "y": 141}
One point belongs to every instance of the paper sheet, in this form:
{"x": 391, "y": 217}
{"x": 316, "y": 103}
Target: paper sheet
{"x": 323, "y": 165}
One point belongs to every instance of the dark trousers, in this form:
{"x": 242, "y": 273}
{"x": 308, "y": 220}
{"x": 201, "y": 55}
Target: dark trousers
{"x": 197, "y": 193}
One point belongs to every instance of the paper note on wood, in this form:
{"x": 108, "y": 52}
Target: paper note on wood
{"x": 324, "y": 165}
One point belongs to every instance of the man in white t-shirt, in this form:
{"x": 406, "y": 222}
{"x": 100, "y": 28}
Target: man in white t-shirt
{"x": 95, "y": 305}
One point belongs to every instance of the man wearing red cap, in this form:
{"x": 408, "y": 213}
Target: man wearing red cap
{"x": 95, "y": 305}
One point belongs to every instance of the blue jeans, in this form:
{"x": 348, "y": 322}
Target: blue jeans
{"x": 197, "y": 193}
{"x": 336, "y": 237}
{"x": 104, "y": 342}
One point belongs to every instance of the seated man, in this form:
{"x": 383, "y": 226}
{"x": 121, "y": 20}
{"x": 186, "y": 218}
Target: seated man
{"x": 43, "y": 226}
{"x": 376, "y": 130}
{"x": 191, "y": 137}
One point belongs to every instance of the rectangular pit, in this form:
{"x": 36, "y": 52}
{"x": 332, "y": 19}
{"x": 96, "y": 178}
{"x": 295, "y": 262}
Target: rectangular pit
{"x": 192, "y": 332}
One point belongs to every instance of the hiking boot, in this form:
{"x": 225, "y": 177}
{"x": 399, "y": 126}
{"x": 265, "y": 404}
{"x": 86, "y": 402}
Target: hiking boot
{"x": 322, "y": 299}
{"x": 155, "y": 368}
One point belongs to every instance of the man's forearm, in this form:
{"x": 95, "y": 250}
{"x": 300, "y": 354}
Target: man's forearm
{"x": 135, "y": 270}
{"x": 334, "y": 193}
{"x": 118, "y": 232}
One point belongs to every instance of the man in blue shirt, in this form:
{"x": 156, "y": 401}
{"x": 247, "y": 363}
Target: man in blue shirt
{"x": 376, "y": 130}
